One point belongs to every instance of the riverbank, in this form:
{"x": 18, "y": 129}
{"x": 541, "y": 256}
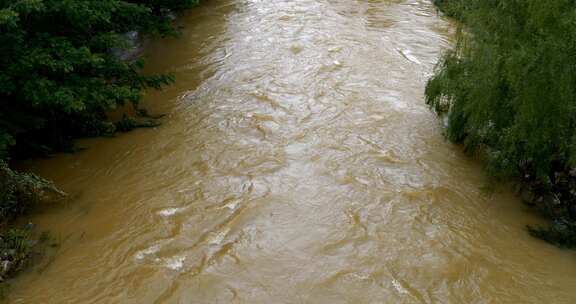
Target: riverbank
{"x": 508, "y": 90}
{"x": 65, "y": 67}
{"x": 19, "y": 192}
{"x": 297, "y": 162}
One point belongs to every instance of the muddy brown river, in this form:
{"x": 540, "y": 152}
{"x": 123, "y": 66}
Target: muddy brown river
{"x": 298, "y": 163}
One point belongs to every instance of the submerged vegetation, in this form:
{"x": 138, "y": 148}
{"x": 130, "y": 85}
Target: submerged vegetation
{"x": 60, "y": 74}
{"x": 508, "y": 90}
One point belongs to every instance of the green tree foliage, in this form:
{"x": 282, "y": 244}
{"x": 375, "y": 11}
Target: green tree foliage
{"x": 509, "y": 90}
{"x": 58, "y": 74}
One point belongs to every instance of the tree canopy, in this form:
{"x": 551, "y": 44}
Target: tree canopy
{"x": 58, "y": 73}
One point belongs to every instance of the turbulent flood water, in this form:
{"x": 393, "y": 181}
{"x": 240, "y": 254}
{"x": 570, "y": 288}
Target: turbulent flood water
{"x": 298, "y": 163}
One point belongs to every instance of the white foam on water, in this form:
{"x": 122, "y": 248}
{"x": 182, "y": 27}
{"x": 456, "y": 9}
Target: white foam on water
{"x": 399, "y": 287}
{"x": 231, "y": 205}
{"x": 140, "y": 255}
{"x": 169, "y": 211}
{"x": 175, "y": 263}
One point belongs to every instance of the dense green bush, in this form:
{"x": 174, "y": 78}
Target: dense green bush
{"x": 509, "y": 91}
{"x": 58, "y": 73}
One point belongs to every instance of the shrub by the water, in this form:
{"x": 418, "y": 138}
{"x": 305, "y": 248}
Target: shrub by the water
{"x": 508, "y": 89}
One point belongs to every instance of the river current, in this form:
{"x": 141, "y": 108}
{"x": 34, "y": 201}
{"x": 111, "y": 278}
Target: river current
{"x": 298, "y": 163}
